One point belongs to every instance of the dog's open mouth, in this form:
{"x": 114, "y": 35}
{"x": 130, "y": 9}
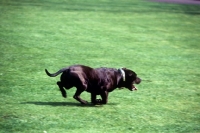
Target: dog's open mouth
{"x": 133, "y": 88}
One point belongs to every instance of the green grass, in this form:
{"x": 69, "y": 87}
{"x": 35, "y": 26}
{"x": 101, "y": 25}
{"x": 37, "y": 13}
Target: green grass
{"x": 158, "y": 41}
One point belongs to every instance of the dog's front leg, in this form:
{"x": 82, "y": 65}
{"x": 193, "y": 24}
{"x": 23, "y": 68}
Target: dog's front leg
{"x": 93, "y": 98}
{"x": 104, "y": 96}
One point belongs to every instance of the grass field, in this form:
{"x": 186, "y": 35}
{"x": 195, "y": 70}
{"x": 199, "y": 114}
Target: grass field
{"x": 161, "y": 42}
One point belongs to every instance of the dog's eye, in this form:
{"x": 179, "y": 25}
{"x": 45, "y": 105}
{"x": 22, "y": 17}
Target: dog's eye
{"x": 130, "y": 75}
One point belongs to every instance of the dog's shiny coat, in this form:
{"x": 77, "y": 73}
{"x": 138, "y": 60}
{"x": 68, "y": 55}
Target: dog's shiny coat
{"x": 98, "y": 81}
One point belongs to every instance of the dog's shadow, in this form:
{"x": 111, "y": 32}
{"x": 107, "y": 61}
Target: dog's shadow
{"x": 55, "y": 104}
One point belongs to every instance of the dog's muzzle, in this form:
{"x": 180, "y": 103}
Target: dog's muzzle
{"x": 137, "y": 81}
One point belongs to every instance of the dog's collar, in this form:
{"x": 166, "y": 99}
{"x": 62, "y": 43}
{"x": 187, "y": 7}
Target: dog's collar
{"x": 123, "y": 73}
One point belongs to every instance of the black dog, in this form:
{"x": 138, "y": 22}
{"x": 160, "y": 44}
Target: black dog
{"x": 99, "y": 81}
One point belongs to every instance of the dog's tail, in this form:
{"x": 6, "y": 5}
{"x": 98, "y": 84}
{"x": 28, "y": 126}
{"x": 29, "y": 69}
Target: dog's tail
{"x": 57, "y": 73}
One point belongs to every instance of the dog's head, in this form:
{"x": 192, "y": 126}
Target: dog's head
{"x": 129, "y": 79}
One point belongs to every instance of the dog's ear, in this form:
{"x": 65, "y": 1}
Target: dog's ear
{"x": 124, "y": 68}
{"x": 130, "y": 74}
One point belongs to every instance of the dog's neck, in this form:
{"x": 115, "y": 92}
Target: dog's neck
{"x": 122, "y": 73}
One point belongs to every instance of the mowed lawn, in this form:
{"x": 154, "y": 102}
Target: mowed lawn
{"x": 159, "y": 41}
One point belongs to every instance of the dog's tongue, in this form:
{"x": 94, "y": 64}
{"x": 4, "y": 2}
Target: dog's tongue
{"x": 134, "y": 88}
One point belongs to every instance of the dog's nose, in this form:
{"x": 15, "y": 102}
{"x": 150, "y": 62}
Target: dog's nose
{"x": 138, "y": 80}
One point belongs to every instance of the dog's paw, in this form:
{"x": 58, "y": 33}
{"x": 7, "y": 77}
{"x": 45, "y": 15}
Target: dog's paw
{"x": 84, "y": 102}
{"x": 63, "y": 92}
{"x": 97, "y": 102}
{"x": 64, "y": 95}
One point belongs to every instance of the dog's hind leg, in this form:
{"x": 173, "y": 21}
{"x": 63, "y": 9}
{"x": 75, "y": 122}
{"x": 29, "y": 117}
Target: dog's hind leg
{"x": 81, "y": 85}
{"x": 77, "y": 96}
{"x": 64, "y": 94}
